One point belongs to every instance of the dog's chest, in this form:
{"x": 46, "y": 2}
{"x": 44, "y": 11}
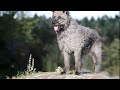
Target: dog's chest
{"x": 70, "y": 43}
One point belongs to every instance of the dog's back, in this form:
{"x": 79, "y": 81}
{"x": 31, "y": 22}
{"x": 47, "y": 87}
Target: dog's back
{"x": 76, "y": 37}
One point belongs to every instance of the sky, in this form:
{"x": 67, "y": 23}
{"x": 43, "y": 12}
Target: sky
{"x": 79, "y": 14}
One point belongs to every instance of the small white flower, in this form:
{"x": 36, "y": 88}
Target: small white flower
{"x": 59, "y": 69}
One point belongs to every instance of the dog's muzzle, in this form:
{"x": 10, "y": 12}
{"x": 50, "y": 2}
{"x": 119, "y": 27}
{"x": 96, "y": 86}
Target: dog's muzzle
{"x": 57, "y": 27}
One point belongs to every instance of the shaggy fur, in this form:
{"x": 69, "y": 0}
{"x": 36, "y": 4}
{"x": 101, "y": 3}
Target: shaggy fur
{"x": 77, "y": 39}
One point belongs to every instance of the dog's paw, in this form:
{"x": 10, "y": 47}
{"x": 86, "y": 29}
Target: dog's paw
{"x": 77, "y": 73}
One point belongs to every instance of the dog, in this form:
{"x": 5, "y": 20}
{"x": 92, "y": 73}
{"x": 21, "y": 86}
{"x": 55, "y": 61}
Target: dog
{"x": 77, "y": 39}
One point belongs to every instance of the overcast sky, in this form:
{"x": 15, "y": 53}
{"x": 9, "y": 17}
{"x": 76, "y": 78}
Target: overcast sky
{"x": 79, "y": 14}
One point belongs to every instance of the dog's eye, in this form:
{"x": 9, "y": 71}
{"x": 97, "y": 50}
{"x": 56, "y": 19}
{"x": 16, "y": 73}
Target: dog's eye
{"x": 53, "y": 17}
{"x": 59, "y": 17}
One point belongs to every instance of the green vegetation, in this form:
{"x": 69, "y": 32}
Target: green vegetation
{"x": 22, "y": 36}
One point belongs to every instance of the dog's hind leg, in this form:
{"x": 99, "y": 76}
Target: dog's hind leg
{"x": 96, "y": 55}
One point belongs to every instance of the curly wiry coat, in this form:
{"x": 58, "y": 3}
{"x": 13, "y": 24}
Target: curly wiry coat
{"x": 77, "y": 39}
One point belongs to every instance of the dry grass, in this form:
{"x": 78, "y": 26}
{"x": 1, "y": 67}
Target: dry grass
{"x": 30, "y": 66}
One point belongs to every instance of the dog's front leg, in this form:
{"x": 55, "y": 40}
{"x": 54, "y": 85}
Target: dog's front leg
{"x": 66, "y": 62}
{"x": 78, "y": 61}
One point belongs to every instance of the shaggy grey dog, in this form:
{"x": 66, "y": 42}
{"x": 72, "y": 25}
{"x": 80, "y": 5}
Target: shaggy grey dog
{"x": 77, "y": 39}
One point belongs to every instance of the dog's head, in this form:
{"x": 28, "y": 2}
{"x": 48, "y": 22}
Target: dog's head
{"x": 61, "y": 20}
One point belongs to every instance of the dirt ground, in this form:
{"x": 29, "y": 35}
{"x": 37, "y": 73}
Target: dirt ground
{"x": 56, "y": 75}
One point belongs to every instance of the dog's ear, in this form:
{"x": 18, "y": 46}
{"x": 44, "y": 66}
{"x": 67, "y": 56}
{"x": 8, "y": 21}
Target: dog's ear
{"x": 67, "y": 12}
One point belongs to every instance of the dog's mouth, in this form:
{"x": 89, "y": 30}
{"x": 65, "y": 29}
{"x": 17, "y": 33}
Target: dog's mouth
{"x": 58, "y": 28}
